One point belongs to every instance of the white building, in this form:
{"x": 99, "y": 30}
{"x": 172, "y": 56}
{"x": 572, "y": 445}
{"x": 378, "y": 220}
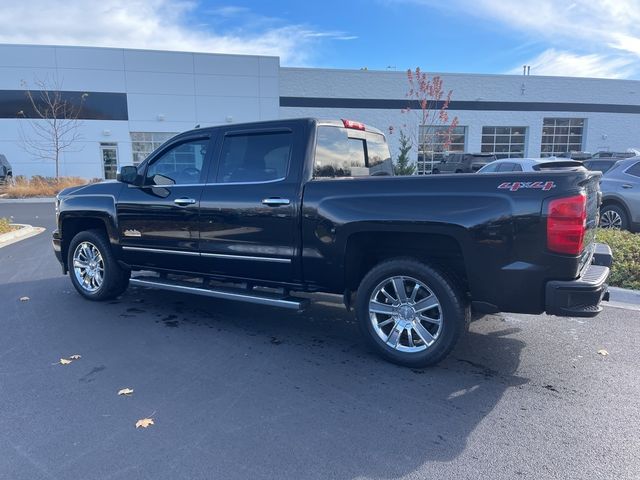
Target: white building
{"x": 137, "y": 99}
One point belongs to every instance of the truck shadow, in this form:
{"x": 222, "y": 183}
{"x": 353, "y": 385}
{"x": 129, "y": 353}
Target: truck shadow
{"x": 338, "y": 401}
{"x": 290, "y": 390}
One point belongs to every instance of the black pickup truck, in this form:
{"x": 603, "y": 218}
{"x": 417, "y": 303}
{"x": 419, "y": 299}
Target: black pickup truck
{"x": 253, "y": 212}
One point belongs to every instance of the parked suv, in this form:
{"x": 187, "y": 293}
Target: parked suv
{"x": 613, "y": 155}
{"x": 621, "y": 196}
{"x": 464, "y": 162}
{"x": 6, "y": 172}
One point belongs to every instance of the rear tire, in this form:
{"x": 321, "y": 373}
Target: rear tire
{"x": 93, "y": 269}
{"x": 419, "y": 327}
{"x": 613, "y": 216}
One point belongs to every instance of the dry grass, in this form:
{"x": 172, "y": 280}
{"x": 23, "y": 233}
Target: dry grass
{"x": 40, "y": 186}
{"x": 5, "y": 226}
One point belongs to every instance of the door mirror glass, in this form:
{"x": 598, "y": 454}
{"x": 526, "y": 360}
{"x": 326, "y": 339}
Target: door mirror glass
{"x": 128, "y": 174}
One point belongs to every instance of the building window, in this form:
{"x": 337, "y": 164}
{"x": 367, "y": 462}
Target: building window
{"x": 109, "y": 153}
{"x": 433, "y": 147}
{"x": 561, "y": 135}
{"x": 143, "y": 143}
{"x": 504, "y": 142}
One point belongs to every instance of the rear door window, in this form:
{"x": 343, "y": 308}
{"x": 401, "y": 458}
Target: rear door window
{"x": 506, "y": 167}
{"x": 255, "y": 157}
{"x": 342, "y": 152}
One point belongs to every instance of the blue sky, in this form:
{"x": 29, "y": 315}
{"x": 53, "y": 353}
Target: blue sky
{"x": 556, "y": 37}
{"x": 381, "y": 34}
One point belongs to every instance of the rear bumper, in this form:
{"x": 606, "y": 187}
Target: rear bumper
{"x": 581, "y": 297}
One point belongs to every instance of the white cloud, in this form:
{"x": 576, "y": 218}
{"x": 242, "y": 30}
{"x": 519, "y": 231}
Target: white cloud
{"x": 583, "y": 37}
{"x": 568, "y": 64}
{"x": 152, "y": 24}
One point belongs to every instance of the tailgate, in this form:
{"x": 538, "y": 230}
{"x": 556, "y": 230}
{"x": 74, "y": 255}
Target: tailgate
{"x": 592, "y": 189}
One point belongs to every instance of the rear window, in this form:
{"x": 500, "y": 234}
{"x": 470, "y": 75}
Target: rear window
{"x": 599, "y": 166}
{"x": 634, "y": 170}
{"x": 342, "y": 152}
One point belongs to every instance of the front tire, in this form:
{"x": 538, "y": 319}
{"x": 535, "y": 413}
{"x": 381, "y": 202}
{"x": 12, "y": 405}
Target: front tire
{"x": 93, "y": 269}
{"x": 410, "y": 313}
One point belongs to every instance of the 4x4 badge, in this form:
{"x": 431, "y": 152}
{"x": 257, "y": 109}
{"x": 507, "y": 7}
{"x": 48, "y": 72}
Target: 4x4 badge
{"x": 515, "y": 186}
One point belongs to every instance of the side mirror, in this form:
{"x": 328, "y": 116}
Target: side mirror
{"x": 127, "y": 174}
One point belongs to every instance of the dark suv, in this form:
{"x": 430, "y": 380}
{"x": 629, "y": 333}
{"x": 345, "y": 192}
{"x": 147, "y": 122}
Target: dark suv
{"x": 6, "y": 172}
{"x": 464, "y": 162}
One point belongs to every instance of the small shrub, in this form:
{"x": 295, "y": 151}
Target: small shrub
{"x": 625, "y": 272}
{"x": 5, "y": 226}
{"x": 40, "y": 186}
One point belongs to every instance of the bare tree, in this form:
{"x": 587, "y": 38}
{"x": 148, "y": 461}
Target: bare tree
{"x": 433, "y": 136}
{"x": 53, "y": 122}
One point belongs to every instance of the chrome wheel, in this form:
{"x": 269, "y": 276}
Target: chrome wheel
{"x": 405, "y": 314}
{"x": 610, "y": 219}
{"x": 88, "y": 266}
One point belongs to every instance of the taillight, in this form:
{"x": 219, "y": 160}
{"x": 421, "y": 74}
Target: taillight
{"x": 566, "y": 224}
{"x": 352, "y": 124}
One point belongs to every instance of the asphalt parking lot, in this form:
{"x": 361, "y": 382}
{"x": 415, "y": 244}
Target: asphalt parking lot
{"x": 240, "y": 391}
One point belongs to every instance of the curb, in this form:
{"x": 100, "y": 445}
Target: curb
{"x": 24, "y": 232}
{"x": 28, "y": 200}
{"x": 624, "y": 298}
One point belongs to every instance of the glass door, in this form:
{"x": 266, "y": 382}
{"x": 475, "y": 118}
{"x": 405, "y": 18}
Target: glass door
{"x": 109, "y": 154}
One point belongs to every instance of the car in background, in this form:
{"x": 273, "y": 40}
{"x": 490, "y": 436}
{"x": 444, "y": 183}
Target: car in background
{"x": 463, "y": 162}
{"x": 6, "y": 172}
{"x": 575, "y": 155}
{"x": 621, "y": 195}
{"x": 613, "y": 155}
{"x": 528, "y": 165}
{"x": 600, "y": 164}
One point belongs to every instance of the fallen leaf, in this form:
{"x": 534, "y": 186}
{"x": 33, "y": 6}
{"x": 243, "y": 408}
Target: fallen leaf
{"x": 24, "y": 299}
{"x": 144, "y": 422}
{"x": 75, "y": 357}
{"x": 125, "y": 391}
{"x": 603, "y": 352}
{"x": 64, "y": 361}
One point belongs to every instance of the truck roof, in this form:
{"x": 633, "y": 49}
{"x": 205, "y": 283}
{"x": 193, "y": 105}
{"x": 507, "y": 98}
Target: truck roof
{"x": 265, "y": 123}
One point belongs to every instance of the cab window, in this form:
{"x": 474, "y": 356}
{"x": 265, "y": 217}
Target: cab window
{"x": 343, "y": 152}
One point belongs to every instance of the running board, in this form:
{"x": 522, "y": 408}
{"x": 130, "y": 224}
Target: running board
{"x": 248, "y": 296}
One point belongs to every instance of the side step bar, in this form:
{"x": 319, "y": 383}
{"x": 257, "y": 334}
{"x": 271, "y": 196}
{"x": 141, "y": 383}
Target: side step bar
{"x": 241, "y": 295}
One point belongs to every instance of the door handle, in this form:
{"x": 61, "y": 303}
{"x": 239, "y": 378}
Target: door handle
{"x": 183, "y": 202}
{"x": 627, "y": 185}
{"x": 275, "y": 201}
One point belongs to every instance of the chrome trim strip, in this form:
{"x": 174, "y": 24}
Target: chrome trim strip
{"x": 247, "y": 257}
{"x": 212, "y": 255}
{"x": 176, "y": 185}
{"x": 291, "y": 303}
{"x": 160, "y": 250}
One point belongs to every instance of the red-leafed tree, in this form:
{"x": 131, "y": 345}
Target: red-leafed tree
{"x": 429, "y": 103}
